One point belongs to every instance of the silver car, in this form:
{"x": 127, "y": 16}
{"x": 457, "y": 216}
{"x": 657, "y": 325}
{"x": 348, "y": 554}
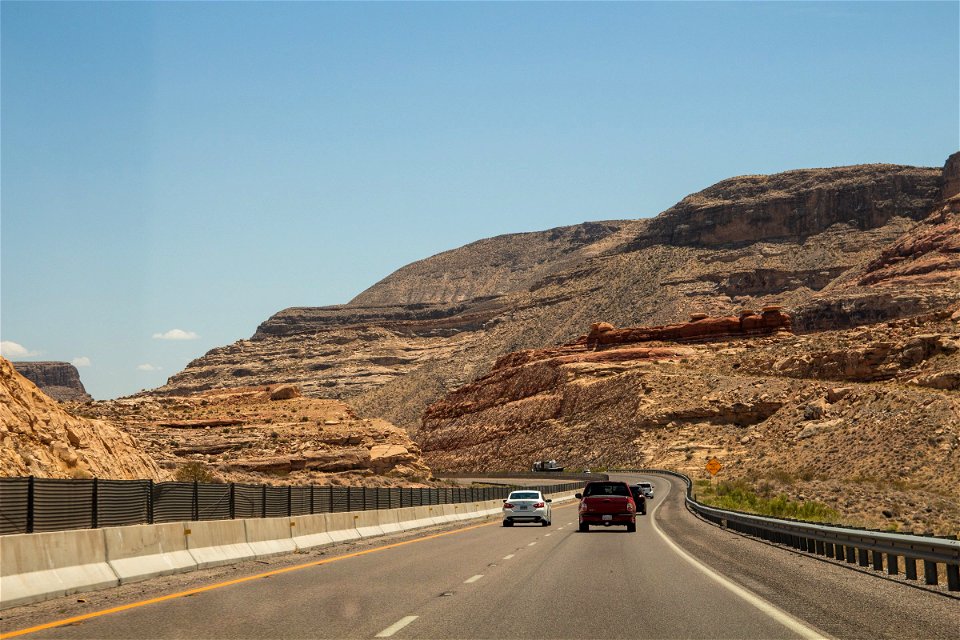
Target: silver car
{"x": 646, "y": 489}
{"x": 527, "y": 506}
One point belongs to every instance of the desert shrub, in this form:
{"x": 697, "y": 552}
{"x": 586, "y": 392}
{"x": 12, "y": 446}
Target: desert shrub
{"x": 195, "y": 472}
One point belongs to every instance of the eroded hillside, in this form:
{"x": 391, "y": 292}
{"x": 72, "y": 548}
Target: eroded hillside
{"x": 801, "y": 239}
{"x": 41, "y": 439}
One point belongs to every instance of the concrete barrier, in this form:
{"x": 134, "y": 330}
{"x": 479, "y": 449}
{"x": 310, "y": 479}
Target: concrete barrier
{"x": 341, "y": 526}
{"x": 389, "y": 520}
{"x": 368, "y": 524}
{"x": 142, "y": 551}
{"x": 310, "y": 531}
{"x": 270, "y": 536}
{"x": 39, "y": 566}
{"x": 409, "y": 518}
{"x": 217, "y": 542}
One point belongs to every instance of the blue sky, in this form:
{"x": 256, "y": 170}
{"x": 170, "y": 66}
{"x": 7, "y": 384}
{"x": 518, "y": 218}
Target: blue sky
{"x": 200, "y": 166}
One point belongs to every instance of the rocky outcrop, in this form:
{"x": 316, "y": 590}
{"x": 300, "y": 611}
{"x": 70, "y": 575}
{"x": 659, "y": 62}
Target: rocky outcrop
{"x": 41, "y": 439}
{"x": 795, "y": 205}
{"x": 268, "y": 435}
{"x": 59, "y": 380}
{"x": 700, "y": 328}
{"x": 767, "y": 406}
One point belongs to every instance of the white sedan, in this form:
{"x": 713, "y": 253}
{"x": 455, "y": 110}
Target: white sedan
{"x": 526, "y": 506}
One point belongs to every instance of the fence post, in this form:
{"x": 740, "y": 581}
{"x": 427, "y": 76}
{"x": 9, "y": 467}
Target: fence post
{"x": 94, "y": 516}
{"x": 150, "y": 501}
{"x": 30, "y": 481}
{"x": 312, "y": 487}
{"x": 263, "y": 493}
{"x": 233, "y": 501}
{"x": 196, "y": 499}
{"x": 289, "y": 500}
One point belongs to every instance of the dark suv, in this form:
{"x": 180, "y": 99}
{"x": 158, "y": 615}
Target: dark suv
{"x": 607, "y": 503}
{"x": 639, "y": 499}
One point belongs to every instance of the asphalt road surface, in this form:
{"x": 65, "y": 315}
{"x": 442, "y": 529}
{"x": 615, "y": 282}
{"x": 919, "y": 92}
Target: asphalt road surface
{"x": 676, "y": 577}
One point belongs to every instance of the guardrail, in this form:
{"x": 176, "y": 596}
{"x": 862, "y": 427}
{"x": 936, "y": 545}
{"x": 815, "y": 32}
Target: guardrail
{"x": 861, "y": 546}
{"x": 29, "y": 505}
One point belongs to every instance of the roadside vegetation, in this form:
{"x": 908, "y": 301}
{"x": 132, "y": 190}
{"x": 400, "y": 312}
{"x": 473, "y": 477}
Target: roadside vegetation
{"x": 739, "y": 495}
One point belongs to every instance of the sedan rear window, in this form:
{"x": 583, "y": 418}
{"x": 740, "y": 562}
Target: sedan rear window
{"x": 524, "y": 495}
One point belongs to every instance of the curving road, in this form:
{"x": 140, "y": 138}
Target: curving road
{"x": 676, "y": 577}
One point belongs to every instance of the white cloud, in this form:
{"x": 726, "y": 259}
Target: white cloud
{"x": 13, "y": 350}
{"x": 82, "y": 361}
{"x": 176, "y": 334}
{"x": 147, "y": 367}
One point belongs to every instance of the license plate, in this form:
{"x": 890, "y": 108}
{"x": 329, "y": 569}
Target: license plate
{"x": 522, "y": 508}
{"x": 608, "y": 517}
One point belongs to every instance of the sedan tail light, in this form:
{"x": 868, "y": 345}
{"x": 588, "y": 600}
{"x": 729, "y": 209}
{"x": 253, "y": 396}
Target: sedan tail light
{"x": 539, "y": 505}
{"x": 507, "y": 505}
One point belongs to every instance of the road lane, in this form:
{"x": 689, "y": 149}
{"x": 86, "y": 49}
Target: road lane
{"x": 527, "y": 581}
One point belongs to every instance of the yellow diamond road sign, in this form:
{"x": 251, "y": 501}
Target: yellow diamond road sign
{"x": 714, "y": 466}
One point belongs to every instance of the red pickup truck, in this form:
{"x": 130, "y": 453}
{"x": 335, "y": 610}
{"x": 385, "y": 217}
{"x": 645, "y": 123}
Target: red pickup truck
{"x": 607, "y": 503}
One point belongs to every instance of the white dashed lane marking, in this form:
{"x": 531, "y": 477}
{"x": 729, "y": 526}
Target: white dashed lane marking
{"x": 531, "y": 544}
{"x": 508, "y": 557}
{"x": 396, "y": 626}
{"x": 473, "y": 579}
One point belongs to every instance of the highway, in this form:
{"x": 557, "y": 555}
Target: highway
{"x": 676, "y": 577}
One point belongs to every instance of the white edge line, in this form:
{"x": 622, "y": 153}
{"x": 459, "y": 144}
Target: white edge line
{"x": 396, "y": 626}
{"x": 473, "y": 579}
{"x": 780, "y": 616}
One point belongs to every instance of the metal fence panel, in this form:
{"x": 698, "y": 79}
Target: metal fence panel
{"x": 122, "y": 502}
{"x": 213, "y": 501}
{"x": 14, "y": 505}
{"x": 172, "y": 501}
{"x": 299, "y": 500}
{"x": 247, "y": 501}
{"x": 62, "y": 504}
{"x": 277, "y": 503}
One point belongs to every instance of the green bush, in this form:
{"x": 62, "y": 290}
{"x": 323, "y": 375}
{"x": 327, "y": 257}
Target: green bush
{"x": 195, "y": 472}
{"x": 738, "y": 495}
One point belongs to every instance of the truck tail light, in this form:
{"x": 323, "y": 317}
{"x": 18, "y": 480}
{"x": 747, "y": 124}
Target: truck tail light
{"x": 630, "y": 506}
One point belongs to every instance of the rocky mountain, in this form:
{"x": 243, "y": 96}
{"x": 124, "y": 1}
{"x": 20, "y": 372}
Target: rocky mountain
{"x": 866, "y": 420}
{"x": 812, "y": 241}
{"x": 59, "y": 380}
{"x": 40, "y": 438}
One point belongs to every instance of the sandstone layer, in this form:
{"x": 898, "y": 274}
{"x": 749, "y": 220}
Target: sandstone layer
{"x": 40, "y": 438}
{"x": 866, "y": 420}
{"x": 59, "y": 380}
{"x": 270, "y": 435}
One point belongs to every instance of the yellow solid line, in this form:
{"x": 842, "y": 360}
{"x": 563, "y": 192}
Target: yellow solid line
{"x": 190, "y": 592}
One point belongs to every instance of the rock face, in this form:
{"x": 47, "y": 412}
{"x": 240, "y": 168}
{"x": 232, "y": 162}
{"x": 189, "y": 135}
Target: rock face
{"x": 267, "y": 435}
{"x": 40, "y": 438}
{"x": 59, "y": 380}
{"x": 802, "y": 414}
{"x": 802, "y": 240}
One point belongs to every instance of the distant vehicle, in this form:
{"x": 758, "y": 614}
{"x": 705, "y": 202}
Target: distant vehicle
{"x": 527, "y": 506}
{"x": 546, "y": 465}
{"x": 639, "y": 499}
{"x": 647, "y": 489}
{"x": 607, "y": 503}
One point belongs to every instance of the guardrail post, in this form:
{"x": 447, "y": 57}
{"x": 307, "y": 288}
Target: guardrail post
{"x": 930, "y": 572}
{"x": 910, "y": 567}
{"x": 953, "y": 577}
{"x": 878, "y": 561}
{"x": 864, "y": 559}
{"x": 828, "y": 549}
{"x": 838, "y": 552}
{"x": 893, "y": 562}
{"x": 851, "y": 554}
{"x": 820, "y": 548}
